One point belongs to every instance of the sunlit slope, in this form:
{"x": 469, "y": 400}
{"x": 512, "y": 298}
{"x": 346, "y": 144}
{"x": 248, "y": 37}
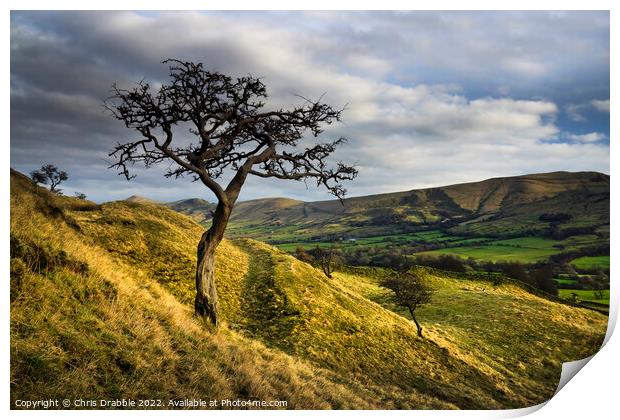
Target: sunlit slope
{"x": 89, "y": 324}
{"x": 289, "y": 332}
{"x": 513, "y": 336}
{"x": 486, "y": 345}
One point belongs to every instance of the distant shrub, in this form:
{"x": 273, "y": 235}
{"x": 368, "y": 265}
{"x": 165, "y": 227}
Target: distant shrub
{"x": 543, "y": 278}
{"x": 444, "y": 262}
{"x": 555, "y": 217}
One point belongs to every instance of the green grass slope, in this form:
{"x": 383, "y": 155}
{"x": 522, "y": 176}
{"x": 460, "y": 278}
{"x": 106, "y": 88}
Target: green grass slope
{"x": 101, "y": 302}
{"x": 514, "y": 337}
{"x": 499, "y": 208}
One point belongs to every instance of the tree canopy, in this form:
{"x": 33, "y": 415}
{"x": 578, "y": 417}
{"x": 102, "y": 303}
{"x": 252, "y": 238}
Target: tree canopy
{"x": 409, "y": 291}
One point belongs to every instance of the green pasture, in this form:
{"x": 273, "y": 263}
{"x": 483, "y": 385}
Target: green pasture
{"x": 601, "y": 261}
{"x": 526, "y": 250}
{"x": 585, "y": 295}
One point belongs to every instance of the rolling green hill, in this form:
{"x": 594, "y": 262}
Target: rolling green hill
{"x": 101, "y": 307}
{"x": 556, "y": 205}
{"x": 197, "y": 208}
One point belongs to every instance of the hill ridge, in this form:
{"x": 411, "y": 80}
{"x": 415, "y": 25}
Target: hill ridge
{"x": 515, "y": 202}
{"x": 140, "y": 199}
{"x": 536, "y": 175}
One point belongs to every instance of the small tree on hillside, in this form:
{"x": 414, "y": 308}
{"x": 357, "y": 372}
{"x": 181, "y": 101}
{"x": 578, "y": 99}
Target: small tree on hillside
{"x": 543, "y": 278}
{"x": 232, "y": 131}
{"x": 302, "y": 255}
{"x": 599, "y": 290}
{"x": 49, "y": 174}
{"x": 410, "y": 292}
{"x": 80, "y": 195}
{"x": 328, "y": 259}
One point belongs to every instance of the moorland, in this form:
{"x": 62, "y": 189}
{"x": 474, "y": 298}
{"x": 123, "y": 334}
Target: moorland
{"x": 102, "y": 298}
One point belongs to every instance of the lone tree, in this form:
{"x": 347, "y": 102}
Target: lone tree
{"x": 543, "y": 277}
{"x": 411, "y": 292}
{"x": 328, "y": 259}
{"x": 49, "y": 174}
{"x": 232, "y": 130}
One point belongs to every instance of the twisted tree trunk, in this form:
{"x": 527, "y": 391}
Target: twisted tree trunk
{"x": 206, "y": 303}
{"x": 417, "y": 324}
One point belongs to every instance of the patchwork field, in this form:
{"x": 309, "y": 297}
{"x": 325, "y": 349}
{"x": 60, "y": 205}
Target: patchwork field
{"x": 523, "y": 249}
{"x": 399, "y": 239}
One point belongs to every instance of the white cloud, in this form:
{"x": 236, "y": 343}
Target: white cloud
{"x": 575, "y": 111}
{"x": 587, "y": 138}
{"x": 600, "y": 105}
{"x": 367, "y": 64}
{"x": 524, "y": 66}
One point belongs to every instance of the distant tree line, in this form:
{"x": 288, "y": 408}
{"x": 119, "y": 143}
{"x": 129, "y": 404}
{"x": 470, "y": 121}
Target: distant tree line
{"x": 540, "y": 275}
{"x": 555, "y": 217}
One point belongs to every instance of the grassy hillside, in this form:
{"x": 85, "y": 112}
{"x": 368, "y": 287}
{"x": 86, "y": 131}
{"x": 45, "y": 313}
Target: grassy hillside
{"x": 558, "y": 206}
{"x": 86, "y": 323}
{"x": 197, "y": 208}
{"x": 101, "y": 302}
{"x": 498, "y": 197}
{"x": 507, "y": 333}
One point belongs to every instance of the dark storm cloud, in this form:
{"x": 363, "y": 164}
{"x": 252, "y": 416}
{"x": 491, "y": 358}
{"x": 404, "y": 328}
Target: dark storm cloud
{"x": 434, "y": 97}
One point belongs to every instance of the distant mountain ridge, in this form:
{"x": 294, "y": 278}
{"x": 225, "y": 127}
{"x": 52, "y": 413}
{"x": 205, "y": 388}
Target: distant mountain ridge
{"x": 197, "y": 208}
{"x": 505, "y": 197}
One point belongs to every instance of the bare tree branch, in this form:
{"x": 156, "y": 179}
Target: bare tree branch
{"x": 232, "y": 131}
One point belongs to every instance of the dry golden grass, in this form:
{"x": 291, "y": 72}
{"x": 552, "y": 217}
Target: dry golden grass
{"x": 111, "y": 331}
{"x": 101, "y": 307}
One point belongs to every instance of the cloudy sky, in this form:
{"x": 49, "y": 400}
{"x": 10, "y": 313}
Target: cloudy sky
{"x": 434, "y": 98}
